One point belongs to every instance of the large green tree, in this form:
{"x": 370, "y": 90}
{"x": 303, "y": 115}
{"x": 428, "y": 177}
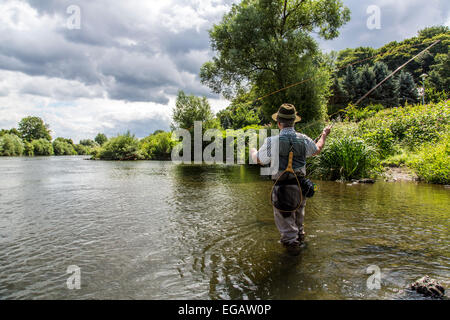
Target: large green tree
{"x": 189, "y": 108}
{"x": 387, "y": 93}
{"x": 34, "y": 128}
{"x": 101, "y": 138}
{"x": 267, "y": 45}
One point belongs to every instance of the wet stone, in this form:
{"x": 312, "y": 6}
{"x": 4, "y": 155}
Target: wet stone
{"x": 428, "y": 287}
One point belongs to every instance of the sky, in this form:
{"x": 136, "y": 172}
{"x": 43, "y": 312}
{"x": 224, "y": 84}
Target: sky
{"x": 107, "y": 66}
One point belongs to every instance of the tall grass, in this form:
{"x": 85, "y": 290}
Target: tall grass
{"x": 345, "y": 159}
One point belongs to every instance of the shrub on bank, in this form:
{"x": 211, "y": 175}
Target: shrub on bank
{"x": 122, "y": 147}
{"x": 432, "y": 163}
{"x": 157, "y": 146}
{"x": 63, "y": 148}
{"x": 409, "y": 126}
{"x": 11, "y": 145}
{"x": 42, "y": 147}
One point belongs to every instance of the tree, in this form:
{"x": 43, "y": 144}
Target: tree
{"x": 42, "y": 147}
{"x": 88, "y": 143}
{"x": 407, "y": 88}
{"x": 387, "y": 93}
{"x": 122, "y": 147}
{"x": 267, "y": 45}
{"x": 191, "y": 108}
{"x": 439, "y": 76}
{"x": 350, "y": 83}
{"x": 11, "y": 145}
{"x": 157, "y": 146}
{"x": 365, "y": 82}
{"x": 63, "y": 147}
{"x": 34, "y": 128}
{"x": 238, "y": 116}
{"x": 101, "y": 139}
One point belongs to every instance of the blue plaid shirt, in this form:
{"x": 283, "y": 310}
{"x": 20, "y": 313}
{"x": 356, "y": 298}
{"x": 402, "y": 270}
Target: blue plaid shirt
{"x": 265, "y": 152}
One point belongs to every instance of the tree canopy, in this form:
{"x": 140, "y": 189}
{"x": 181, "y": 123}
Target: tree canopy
{"x": 189, "y": 108}
{"x": 267, "y": 45}
{"x": 34, "y": 128}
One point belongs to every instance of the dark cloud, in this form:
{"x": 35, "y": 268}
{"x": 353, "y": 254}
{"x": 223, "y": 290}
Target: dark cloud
{"x": 134, "y": 57}
{"x": 134, "y": 51}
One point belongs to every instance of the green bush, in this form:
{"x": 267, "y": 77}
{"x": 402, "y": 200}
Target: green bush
{"x": 42, "y": 147}
{"x": 62, "y": 147}
{"x": 409, "y": 126}
{"x": 157, "y": 146}
{"x": 354, "y": 113}
{"x": 432, "y": 163}
{"x": 346, "y": 158}
{"x": 122, "y": 147}
{"x": 11, "y": 145}
{"x": 28, "y": 149}
{"x": 81, "y": 149}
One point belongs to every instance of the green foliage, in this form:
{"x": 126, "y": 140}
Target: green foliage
{"x": 191, "y": 108}
{"x": 267, "y": 45}
{"x": 357, "y": 114}
{"x": 42, "y": 147}
{"x": 89, "y": 142}
{"x": 434, "y": 96}
{"x": 157, "y": 146}
{"x": 100, "y": 139}
{"x": 81, "y": 149}
{"x": 11, "y": 131}
{"x": 28, "y": 149}
{"x": 34, "y": 128}
{"x": 122, "y": 147}
{"x": 345, "y": 159}
{"x": 407, "y": 89}
{"x": 238, "y": 116}
{"x": 11, "y": 145}
{"x": 432, "y": 163}
{"x": 410, "y": 126}
{"x": 63, "y": 147}
{"x": 435, "y": 62}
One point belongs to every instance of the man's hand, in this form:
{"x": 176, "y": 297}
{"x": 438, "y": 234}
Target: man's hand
{"x": 321, "y": 143}
{"x": 327, "y": 130}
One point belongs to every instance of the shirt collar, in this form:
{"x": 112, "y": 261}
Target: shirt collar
{"x": 288, "y": 130}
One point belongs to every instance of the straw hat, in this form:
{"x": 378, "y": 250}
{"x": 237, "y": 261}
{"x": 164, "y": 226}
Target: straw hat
{"x": 287, "y": 111}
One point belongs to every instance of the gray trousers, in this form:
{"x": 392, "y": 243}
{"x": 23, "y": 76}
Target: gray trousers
{"x": 291, "y": 224}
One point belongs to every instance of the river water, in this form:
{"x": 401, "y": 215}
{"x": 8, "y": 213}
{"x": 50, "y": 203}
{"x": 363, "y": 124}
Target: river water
{"x": 156, "y": 230}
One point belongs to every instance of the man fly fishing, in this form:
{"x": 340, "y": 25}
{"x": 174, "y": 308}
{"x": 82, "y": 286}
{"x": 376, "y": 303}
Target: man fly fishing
{"x": 291, "y": 187}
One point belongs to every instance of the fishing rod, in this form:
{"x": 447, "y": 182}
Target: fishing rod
{"x": 376, "y": 86}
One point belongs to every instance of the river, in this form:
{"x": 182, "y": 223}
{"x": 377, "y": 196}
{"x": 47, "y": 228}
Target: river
{"x": 156, "y": 230}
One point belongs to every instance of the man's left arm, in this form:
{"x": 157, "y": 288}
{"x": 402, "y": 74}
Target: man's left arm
{"x": 321, "y": 143}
